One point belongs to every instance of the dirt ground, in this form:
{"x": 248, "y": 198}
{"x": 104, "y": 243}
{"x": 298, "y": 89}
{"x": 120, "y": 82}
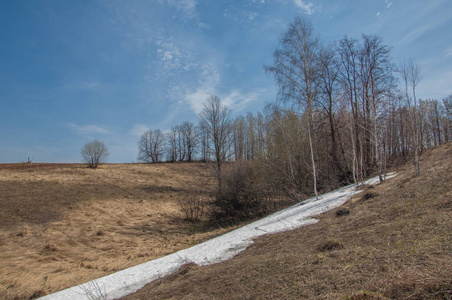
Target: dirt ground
{"x": 392, "y": 241}
{"x": 64, "y": 224}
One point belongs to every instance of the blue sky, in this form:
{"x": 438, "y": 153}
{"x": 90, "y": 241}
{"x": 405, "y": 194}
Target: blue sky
{"x": 72, "y": 71}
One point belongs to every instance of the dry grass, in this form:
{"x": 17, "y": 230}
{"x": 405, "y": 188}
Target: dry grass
{"x": 62, "y": 225}
{"x": 393, "y": 241}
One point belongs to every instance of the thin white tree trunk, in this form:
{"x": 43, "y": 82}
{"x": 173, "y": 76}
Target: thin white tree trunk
{"x": 314, "y": 172}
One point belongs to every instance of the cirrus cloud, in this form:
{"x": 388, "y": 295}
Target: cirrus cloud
{"x": 87, "y": 129}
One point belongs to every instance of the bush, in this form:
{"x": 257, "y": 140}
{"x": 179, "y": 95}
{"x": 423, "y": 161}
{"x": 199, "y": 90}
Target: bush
{"x": 192, "y": 205}
{"x": 330, "y": 246}
{"x": 240, "y": 195}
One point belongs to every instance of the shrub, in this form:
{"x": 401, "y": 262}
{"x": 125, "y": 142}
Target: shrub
{"x": 240, "y": 195}
{"x": 342, "y": 212}
{"x": 192, "y": 205}
{"x": 330, "y": 246}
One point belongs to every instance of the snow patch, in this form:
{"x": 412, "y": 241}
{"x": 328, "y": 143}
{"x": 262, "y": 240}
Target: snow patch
{"x": 216, "y": 250}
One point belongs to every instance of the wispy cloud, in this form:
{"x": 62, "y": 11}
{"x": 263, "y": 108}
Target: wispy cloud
{"x": 209, "y": 82}
{"x": 388, "y": 3}
{"x": 173, "y": 57}
{"x": 207, "y": 85}
{"x": 237, "y": 100}
{"x": 415, "y": 33}
{"x": 252, "y": 16}
{"x": 138, "y": 129}
{"x": 87, "y": 129}
{"x": 187, "y": 7}
{"x": 307, "y": 8}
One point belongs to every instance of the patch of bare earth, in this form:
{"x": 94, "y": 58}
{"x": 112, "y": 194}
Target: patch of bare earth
{"x": 392, "y": 241}
{"x": 62, "y": 225}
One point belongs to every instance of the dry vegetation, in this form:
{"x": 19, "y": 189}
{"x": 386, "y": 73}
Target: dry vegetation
{"x": 62, "y": 225}
{"x": 393, "y": 240}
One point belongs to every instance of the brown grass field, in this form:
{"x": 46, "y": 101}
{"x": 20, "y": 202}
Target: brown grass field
{"x": 64, "y": 224}
{"x": 392, "y": 241}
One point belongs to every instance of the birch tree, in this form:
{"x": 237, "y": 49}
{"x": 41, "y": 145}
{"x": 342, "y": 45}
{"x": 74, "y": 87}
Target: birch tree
{"x": 411, "y": 76}
{"x": 216, "y": 117}
{"x": 296, "y": 71}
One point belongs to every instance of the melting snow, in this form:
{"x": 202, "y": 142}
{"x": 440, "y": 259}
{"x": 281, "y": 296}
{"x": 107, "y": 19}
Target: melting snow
{"x": 218, "y": 249}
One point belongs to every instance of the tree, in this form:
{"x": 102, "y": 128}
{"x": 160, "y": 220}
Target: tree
{"x": 94, "y": 153}
{"x": 348, "y": 76}
{"x": 376, "y": 82}
{"x": 296, "y": 70}
{"x": 172, "y": 145}
{"x": 151, "y": 146}
{"x": 191, "y": 139}
{"x": 447, "y": 102}
{"x": 329, "y": 94}
{"x": 411, "y": 76}
{"x": 217, "y": 120}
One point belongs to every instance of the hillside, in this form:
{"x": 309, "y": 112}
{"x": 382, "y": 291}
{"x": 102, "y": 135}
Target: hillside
{"x": 65, "y": 224}
{"x": 393, "y": 240}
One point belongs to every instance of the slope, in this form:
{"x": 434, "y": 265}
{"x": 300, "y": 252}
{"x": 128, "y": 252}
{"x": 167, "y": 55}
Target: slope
{"x": 394, "y": 241}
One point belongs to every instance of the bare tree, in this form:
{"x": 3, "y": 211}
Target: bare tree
{"x": 94, "y": 153}
{"x": 217, "y": 120}
{"x": 151, "y": 146}
{"x": 172, "y": 145}
{"x": 411, "y": 76}
{"x": 296, "y": 70}
{"x": 191, "y": 139}
{"x": 348, "y": 51}
{"x": 447, "y": 102}
{"x": 376, "y": 80}
{"x": 239, "y": 137}
{"x": 329, "y": 94}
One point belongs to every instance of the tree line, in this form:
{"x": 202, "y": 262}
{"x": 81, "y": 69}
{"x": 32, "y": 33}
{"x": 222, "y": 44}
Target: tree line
{"x": 344, "y": 111}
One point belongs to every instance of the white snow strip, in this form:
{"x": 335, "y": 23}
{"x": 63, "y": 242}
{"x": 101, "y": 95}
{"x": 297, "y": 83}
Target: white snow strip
{"x": 218, "y": 249}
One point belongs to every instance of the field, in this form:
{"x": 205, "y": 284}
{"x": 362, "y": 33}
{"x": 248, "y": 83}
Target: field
{"x": 62, "y": 225}
{"x": 65, "y": 224}
{"x": 392, "y": 241}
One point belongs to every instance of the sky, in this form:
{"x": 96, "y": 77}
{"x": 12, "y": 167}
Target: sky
{"x": 75, "y": 71}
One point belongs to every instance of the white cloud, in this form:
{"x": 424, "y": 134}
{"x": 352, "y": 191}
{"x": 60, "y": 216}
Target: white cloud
{"x": 87, "y": 129}
{"x": 188, "y": 7}
{"x": 252, "y": 16}
{"x": 307, "y": 8}
{"x": 238, "y": 100}
{"x": 207, "y": 83}
{"x": 138, "y": 129}
{"x": 173, "y": 58}
{"x": 415, "y": 33}
{"x": 378, "y": 14}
